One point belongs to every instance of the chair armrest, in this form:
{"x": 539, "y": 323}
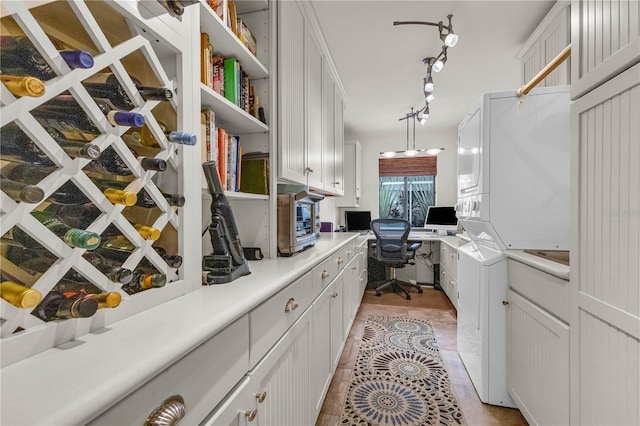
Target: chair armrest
{"x": 414, "y": 245}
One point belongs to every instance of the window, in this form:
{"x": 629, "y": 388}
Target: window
{"x": 407, "y": 188}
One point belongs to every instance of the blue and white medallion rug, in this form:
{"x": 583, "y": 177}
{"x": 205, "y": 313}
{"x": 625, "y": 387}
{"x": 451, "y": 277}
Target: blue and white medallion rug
{"x": 399, "y": 377}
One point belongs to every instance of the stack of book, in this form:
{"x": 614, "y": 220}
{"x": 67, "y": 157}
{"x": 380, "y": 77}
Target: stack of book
{"x": 222, "y": 147}
{"x": 226, "y": 10}
{"x": 227, "y": 78}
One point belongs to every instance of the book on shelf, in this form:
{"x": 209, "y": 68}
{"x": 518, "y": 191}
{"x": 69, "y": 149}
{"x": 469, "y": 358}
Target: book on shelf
{"x": 210, "y": 134}
{"x": 206, "y": 50}
{"x": 254, "y": 178}
{"x": 245, "y": 92}
{"x": 246, "y": 36}
{"x": 218, "y": 74}
{"x": 232, "y": 162}
{"x": 232, "y": 23}
{"x": 231, "y": 68}
{"x": 223, "y": 148}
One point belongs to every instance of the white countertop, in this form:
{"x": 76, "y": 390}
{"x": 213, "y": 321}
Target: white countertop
{"x": 549, "y": 266}
{"x": 74, "y": 383}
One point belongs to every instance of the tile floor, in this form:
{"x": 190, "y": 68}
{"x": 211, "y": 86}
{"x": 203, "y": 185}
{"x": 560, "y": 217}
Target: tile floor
{"x": 434, "y": 306}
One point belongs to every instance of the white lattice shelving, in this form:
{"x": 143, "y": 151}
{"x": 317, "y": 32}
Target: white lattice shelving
{"x": 127, "y": 38}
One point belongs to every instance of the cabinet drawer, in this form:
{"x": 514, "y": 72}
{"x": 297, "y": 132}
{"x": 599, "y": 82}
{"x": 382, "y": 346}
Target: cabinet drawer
{"x": 269, "y": 321}
{"x": 547, "y": 291}
{"x": 327, "y": 271}
{"x": 202, "y": 378}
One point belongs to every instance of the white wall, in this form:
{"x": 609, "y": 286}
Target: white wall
{"x": 446, "y": 181}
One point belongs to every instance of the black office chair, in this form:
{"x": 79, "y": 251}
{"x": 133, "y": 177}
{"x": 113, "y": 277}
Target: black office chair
{"x": 393, "y": 249}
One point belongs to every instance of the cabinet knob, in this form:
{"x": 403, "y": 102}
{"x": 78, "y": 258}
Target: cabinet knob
{"x": 334, "y": 295}
{"x": 340, "y": 261}
{"x": 291, "y": 305}
{"x": 168, "y": 413}
{"x": 505, "y": 303}
{"x": 308, "y": 169}
{"x": 336, "y": 183}
{"x": 324, "y": 275}
{"x": 251, "y": 414}
{"x": 441, "y": 272}
{"x": 261, "y": 396}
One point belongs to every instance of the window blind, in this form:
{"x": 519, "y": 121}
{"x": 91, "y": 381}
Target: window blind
{"x": 412, "y": 166}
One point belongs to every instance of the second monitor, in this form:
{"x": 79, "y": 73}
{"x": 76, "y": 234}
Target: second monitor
{"x": 441, "y": 219}
{"x": 357, "y": 220}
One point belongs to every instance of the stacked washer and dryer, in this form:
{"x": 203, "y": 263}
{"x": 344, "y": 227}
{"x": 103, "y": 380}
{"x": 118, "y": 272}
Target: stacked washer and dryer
{"x": 513, "y": 193}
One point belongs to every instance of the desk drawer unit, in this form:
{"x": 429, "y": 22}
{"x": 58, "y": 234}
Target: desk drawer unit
{"x": 269, "y": 321}
{"x": 202, "y": 378}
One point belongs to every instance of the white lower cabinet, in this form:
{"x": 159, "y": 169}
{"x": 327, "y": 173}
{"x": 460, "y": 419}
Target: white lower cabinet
{"x": 284, "y": 377}
{"x": 238, "y": 409}
{"x": 538, "y": 345}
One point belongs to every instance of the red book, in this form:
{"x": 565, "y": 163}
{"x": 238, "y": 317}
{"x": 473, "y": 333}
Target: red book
{"x": 218, "y": 74}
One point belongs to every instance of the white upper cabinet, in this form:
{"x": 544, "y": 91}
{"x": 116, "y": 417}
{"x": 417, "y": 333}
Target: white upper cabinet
{"x": 605, "y": 39}
{"x": 310, "y": 127}
{"x": 550, "y": 37}
{"x": 352, "y": 175}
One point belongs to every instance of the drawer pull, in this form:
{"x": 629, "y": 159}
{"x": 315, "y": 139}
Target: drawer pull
{"x": 261, "y": 396}
{"x": 450, "y": 254}
{"x": 291, "y": 305}
{"x": 324, "y": 275}
{"x": 251, "y": 414}
{"x": 505, "y": 303}
{"x": 168, "y": 413}
{"x": 340, "y": 260}
{"x": 334, "y": 295}
{"x": 442, "y": 272}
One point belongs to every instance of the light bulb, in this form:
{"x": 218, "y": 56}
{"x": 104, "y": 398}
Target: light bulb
{"x": 410, "y": 152}
{"x": 428, "y": 87}
{"x": 430, "y": 98}
{"x": 423, "y": 121}
{"x": 389, "y": 154}
{"x": 451, "y": 40}
{"x": 437, "y": 66}
{"x": 433, "y": 151}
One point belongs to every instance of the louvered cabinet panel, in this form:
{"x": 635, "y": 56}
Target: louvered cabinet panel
{"x": 605, "y": 40}
{"x": 605, "y": 313}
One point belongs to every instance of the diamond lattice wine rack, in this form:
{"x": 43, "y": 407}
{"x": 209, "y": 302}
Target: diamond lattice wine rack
{"x": 94, "y": 206}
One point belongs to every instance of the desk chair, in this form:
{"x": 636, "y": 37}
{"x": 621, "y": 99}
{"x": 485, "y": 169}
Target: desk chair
{"x": 393, "y": 249}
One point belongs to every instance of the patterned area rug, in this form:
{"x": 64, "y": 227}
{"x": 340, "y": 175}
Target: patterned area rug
{"x": 399, "y": 377}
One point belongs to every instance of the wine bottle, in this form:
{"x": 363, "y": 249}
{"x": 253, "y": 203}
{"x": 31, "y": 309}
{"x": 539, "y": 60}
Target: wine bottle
{"x": 176, "y": 7}
{"x": 19, "y": 191}
{"x": 111, "y": 299}
{"x": 18, "y": 147}
{"x": 64, "y": 105}
{"x": 144, "y": 137}
{"x": 110, "y": 162}
{"x": 20, "y": 56}
{"x": 58, "y": 305}
{"x": 173, "y": 260}
{"x": 143, "y": 281}
{"x": 23, "y": 86}
{"x": 106, "y": 86}
{"x": 143, "y": 197}
{"x": 72, "y": 236}
{"x": 68, "y": 193}
{"x": 19, "y": 295}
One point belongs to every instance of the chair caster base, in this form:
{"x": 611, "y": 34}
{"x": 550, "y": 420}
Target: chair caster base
{"x": 378, "y": 294}
{"x": 420, "y": 290}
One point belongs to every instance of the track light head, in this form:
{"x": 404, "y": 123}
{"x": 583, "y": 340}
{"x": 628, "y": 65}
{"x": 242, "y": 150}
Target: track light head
{"x": 430, "y": 98}
{"x": 428, "y": 85}
{"x": 449, "y": 38}
{"x": 388, "y": 154}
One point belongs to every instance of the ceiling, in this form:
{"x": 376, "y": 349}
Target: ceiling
{"x": 381, "y": 64}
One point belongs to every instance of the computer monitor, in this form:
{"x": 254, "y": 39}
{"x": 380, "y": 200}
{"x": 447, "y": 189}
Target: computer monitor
{"x": 441, "y": 219}
{"x": 357, "y": 220}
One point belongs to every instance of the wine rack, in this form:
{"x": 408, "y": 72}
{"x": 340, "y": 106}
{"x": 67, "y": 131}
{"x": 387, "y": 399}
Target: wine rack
{"x": 127, "y": 39}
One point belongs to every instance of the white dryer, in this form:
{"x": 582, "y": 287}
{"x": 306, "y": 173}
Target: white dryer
{"x": 482, "y": 334}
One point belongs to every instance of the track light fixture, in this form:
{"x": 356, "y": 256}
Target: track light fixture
{"x": 433, "y": 64}
{"x": 411, "y": 151}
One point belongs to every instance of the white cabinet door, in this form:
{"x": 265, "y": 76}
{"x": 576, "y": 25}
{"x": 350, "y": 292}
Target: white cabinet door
{"x": 604, "y": 41}
{"x": 313, "y": 102}
{"x": 338, "y": 125}
{"x": 337, "y": 319}
{"x": 552, "y": 41}
{"x": 352, "y": 174}
{"x": 538, "y": 362}
{"x": 292, "y": 153}
{"x": 328, "y": 131}
{"x": 284, "y": 374}
{"x": 321, "y": 358}
{"x": 604, "y": 292}
{"x": 238, "y": 409}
